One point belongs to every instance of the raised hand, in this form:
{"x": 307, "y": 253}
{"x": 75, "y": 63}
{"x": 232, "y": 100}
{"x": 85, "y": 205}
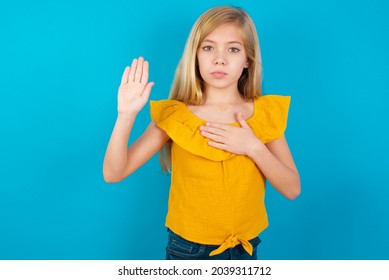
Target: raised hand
{"x": 238, "y": 140}
{"x": 134, "y": 90}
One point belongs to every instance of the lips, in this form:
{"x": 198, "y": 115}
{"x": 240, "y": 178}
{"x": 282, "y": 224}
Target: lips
{"x": 219, "y": 74}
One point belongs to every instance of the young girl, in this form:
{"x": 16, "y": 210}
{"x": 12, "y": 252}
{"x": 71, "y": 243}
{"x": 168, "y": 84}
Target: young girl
{"x": 218, "y": 136}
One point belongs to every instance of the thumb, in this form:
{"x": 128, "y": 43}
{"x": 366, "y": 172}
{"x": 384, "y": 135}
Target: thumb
{"x": 241, "y": 121}
{"x": 147, "y": 90}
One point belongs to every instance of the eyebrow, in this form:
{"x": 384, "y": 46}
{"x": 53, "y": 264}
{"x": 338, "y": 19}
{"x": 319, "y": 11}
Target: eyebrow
{"x": 230, "y": 42}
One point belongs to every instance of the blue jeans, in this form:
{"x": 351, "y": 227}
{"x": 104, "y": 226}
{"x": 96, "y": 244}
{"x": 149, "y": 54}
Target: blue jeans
{"x": 179, "y": 248}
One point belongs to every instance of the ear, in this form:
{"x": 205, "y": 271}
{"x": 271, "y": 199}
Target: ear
{"x": 246, "y": 65}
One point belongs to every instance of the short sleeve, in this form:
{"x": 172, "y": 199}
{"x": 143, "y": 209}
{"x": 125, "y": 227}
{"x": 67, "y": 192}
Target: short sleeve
{"x": 270, "y": 118}
{"x": 162, "y": 110}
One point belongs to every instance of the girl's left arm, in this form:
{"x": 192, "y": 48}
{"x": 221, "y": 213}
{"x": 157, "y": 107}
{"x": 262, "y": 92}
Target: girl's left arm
{"x": 274, "y": 159}
{"x": 276, "y": 163}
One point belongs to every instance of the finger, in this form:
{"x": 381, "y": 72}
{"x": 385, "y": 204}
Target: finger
{"x": 132, "y": 70}
{"x": 145, "y": 73}
{"x": 139, "y": 69}
{"x": 221, "y": 126}
{"x": 218, "y": 145}
{"x": 241, "y": 120}
{"x": 147, "y": 90}
{"x": 214, "y": 130}
{"x": 213, "y": 137}
{"x": 125, "y": 75}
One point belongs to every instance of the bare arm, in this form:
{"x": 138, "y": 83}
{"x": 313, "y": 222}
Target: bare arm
{"x": 120, "y": 161}
{"x": 274, "y": 159}
{"x": 276, "y": 163}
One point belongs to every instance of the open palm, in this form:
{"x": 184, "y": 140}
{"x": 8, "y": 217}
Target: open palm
{"x": 134, "y": 90}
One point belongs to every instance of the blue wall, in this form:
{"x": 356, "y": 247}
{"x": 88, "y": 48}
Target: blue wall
{"x": 61, "y": 64}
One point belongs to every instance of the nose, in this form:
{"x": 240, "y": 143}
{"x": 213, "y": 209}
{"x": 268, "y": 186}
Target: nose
{"x": 220, "y": 59}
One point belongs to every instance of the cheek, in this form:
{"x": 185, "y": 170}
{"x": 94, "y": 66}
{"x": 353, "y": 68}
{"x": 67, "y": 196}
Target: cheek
{"x": 201, "y": 60}
{"x": 243, "y": 64}
{"x": 203, "y": 74}
{"x": 201, "y": 65}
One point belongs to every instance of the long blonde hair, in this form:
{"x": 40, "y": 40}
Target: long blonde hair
{"x": 188, "y": 86}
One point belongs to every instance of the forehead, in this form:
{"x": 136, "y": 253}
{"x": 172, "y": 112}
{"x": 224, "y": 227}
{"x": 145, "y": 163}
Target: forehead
{"x": 226, "y": 33}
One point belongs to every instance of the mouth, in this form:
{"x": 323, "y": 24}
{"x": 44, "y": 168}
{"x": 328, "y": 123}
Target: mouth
{"x": 219, "y": 74}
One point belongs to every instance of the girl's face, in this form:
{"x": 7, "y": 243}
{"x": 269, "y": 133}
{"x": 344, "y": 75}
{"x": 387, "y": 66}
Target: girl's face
{"x": 222, "y": 57}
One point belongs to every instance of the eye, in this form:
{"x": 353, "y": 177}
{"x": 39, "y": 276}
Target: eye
{"x": 207, "y": 48}
{"x": 234, "y": 50}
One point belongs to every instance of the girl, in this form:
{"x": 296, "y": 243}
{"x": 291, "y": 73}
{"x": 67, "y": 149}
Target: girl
{"x": 217, "y": 135}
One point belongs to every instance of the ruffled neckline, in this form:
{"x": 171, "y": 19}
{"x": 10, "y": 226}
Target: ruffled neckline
{"x": 268, "y": 122}
{"x": 236, "y": 123}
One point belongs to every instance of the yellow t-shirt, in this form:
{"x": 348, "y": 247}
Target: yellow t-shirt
{"x": 216, "y": 197}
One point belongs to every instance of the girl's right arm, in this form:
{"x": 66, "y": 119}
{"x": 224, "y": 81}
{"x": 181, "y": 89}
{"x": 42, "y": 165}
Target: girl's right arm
{"x": 134, "y": 91}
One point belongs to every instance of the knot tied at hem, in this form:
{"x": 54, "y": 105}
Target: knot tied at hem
{"x": 231, "y": 242}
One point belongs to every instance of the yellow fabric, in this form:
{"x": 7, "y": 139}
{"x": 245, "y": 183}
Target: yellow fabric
{"x": 216, "y": 197}
{"x": 231, "y": 242}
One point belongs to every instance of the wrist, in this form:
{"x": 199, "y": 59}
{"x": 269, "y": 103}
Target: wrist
{"x": 127, "y": 116}
{"x": 255, "y": 148}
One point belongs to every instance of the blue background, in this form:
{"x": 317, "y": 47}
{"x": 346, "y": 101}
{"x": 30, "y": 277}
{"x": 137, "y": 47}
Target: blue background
{"x": 61, "y": 64}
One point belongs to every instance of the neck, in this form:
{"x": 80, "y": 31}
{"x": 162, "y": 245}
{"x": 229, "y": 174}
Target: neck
{"x": 222, "y": 96}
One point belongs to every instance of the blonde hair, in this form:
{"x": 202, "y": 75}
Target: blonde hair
{"x": 188, "y": 86}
